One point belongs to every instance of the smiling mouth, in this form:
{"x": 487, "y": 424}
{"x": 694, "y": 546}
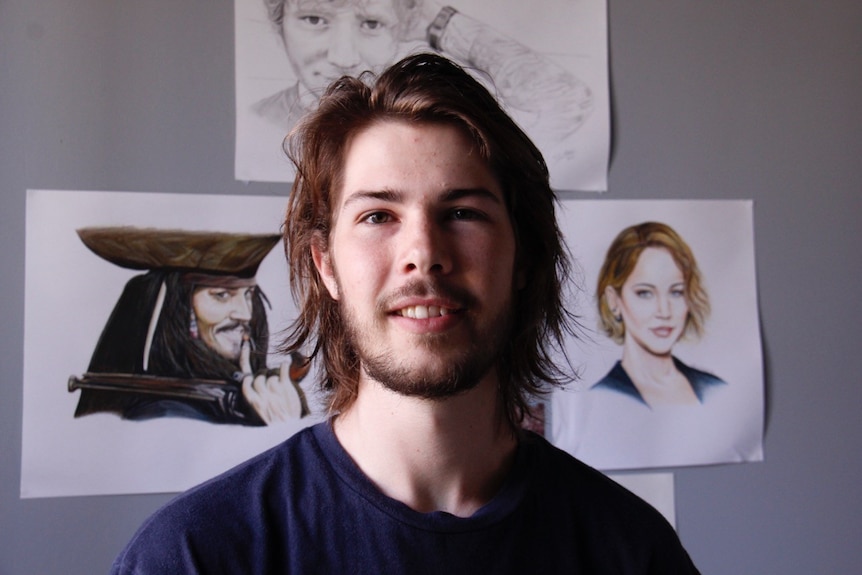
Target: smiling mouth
{"x": 423, "y": 311}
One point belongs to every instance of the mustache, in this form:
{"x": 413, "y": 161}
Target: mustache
{"x": 433, "y": 288}
{"x": 234, "y": 325}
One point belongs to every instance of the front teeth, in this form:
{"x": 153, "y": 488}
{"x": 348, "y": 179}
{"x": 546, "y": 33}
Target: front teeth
{"x": 424, "y": 311}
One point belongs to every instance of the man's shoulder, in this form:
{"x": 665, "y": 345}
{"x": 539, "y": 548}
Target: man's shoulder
{"x": 568, "y": 476}
{"x": 227, "y": 511}
{"x": 573, "y": 481}
{"x": 600, "y": 514}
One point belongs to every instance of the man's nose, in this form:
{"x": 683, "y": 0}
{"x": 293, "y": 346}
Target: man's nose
{"x": 424, "y": 247}
{"x": 241, "y": 308}
{"x": 342, "y": 46}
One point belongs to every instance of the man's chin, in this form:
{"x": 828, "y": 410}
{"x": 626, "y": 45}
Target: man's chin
{"x": 438, "y": 380}
{"x": 229, "y": 350}
{"x": 436, "y": 390}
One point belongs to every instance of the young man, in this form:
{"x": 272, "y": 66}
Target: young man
{"x": 423, "y": 248}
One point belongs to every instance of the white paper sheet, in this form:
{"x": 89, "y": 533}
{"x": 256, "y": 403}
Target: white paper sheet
{"x": 610, "y": 430}
{"x": 568, "y": 34}
{"x": 70, "y": 293}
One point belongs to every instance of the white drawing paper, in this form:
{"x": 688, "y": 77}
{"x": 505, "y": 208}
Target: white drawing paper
{"x": 70, "y": 293}
{"x": 548, "y": 61}
{"x": 612, "y": 429}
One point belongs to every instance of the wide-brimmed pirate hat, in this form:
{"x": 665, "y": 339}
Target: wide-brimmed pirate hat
{"x": 215, "y": 253}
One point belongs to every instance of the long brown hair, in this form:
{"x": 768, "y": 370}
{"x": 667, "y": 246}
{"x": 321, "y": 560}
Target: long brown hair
{"x": 428, "y": 88}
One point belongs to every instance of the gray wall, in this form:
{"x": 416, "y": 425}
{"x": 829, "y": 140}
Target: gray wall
{"x": 732, "y": 99}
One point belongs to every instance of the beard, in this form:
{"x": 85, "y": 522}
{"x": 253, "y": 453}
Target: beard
{"x": 453, "y": 367}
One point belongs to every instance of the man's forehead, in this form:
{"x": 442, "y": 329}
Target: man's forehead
{"x": 365, "y": 5}
{"x": 370, "y": 166}
{"x": 219, "y": 281}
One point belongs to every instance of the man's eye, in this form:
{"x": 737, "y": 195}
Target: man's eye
{"x": 371, "y": 25}
{"x": 314, "y": 21}
{"x": 220, "y": 295}
{"x": 465, "y": 214}
{"x": 377, "y": 218}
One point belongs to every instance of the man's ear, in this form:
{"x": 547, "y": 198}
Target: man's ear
{"x": 323, "y": 262}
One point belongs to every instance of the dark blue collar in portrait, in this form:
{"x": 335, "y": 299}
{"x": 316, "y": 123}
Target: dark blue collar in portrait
{"x": 702, "y": 383}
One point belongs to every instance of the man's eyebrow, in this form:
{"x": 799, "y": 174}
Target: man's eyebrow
{"x": 385, "y": 195}
{"x": 395, "y": 196}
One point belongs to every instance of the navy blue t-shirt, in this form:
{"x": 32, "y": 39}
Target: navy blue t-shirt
{"x": 305, "y": 507}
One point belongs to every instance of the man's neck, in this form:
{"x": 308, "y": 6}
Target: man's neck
{"x": 433, "y": 455}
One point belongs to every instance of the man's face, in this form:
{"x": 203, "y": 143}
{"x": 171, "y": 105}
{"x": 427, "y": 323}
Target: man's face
{"x": 421, "y": 258}
{"x": 326, "y": 39}
{"x": 223, "y": 315}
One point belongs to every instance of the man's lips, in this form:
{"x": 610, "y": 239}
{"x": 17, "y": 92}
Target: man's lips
{"x": 424, "y": 311}
{"x": 427, "y": 301}
{"x": 426, "y": 318}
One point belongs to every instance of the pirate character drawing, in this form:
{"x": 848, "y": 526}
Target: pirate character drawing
{"x": 189, "y": 337}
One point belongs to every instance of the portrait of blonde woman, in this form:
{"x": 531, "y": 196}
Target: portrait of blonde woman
{"x": 672, "y": 373}
{"x": 650, "y": 295}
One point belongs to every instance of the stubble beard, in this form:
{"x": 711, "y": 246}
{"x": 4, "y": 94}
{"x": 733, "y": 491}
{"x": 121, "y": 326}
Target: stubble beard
{"x": 457, "y": 367}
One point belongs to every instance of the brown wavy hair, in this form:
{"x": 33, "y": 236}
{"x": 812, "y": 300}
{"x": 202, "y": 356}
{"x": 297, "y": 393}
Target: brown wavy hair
{"x": 427, "y": 88}
{"x": 621, "y": 259}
